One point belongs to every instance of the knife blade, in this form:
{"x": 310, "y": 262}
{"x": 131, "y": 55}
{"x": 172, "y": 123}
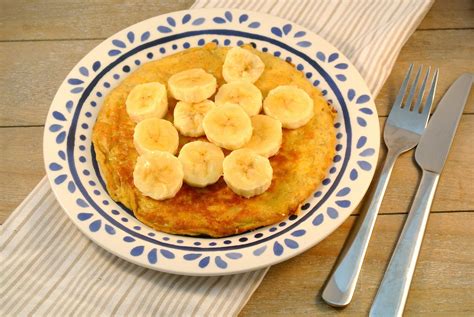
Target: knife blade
{"x": 436, "y": 141}
{"x": 431, "y": 155}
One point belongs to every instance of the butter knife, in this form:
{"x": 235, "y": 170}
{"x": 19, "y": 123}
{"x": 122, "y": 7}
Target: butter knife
{"x": 430, "y": 155}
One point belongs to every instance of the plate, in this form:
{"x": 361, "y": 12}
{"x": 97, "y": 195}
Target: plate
{"x": 79, "y": 187}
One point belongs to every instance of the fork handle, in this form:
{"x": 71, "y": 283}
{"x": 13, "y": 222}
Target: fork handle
{"x": 342, "y": 282}
{"x": 392, "y": 294}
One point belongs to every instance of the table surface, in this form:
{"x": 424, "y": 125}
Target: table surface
{"x": 40, "y": 41}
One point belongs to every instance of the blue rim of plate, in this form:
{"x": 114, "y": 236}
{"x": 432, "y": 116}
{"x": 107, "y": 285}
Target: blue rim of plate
{"x": 98, "y": 217}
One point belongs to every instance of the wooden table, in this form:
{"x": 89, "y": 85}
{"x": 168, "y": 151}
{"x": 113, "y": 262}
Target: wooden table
{"x": 40, "y": 41}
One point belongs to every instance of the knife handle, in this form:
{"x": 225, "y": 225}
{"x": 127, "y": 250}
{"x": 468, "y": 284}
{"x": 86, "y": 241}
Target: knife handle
{"x": 340, "y": 286}
{"x": 392, "y": 293}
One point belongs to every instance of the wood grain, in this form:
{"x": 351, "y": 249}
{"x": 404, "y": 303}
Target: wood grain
{"x": 455, "y": 185}
{"x": 35, "y": 72}
{"x": 452, "y": 14}
{"x": 22, "y": 160}
{"x": 21, "y": 166}
{"x": 442, "y": 283}
{"x": 451, "y": 51}
{"x": 95, "y": 19}
{"x": 48, "y": 20}
{"x": 36, "y": 69}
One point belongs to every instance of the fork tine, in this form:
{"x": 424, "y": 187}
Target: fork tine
{"x": 429, "y": 100}
{"x": 422, "y": 91}
{"x": 412, "y": 89}
{"x": 403, "y": 88}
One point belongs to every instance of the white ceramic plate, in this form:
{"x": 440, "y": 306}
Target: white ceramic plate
{"x": 80, "y": 189}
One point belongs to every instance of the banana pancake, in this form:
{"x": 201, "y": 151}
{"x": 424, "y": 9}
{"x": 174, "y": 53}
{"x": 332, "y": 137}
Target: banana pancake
{"x": 298, "y": 168}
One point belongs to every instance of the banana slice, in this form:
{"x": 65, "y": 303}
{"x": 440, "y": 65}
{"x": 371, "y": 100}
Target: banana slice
{"x": 241, "y": 64}
{"x": 158, "y": 175}
{"x": 147, "y": 101}
{"x": 192, "y": 85}
{"x": 188, "y": 117}
{"x": 266, "y": 137}
{"x": 155, "y": 134}
{"x": 228, "y": 126}
{"x": 247, "y": 173}
{"x": 242, "y": 93}
{"x": 291, "y": 105}
{"x": 202, "y": 163}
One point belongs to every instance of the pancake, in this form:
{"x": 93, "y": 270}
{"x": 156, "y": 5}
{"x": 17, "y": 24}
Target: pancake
{"x": 298, "y": 168}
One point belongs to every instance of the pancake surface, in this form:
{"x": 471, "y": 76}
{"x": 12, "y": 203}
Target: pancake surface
{"x": 298, "y": 168}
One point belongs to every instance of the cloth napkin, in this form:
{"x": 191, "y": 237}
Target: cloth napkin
{"x": 49, "y": 268}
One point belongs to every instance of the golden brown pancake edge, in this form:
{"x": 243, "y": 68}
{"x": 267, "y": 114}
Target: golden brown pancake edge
{"x": 298, "y": 168}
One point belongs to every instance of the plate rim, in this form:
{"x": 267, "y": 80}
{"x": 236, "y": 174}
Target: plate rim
{"x": 207, "y": 12}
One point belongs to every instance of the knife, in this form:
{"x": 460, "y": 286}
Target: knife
{"x": 430, "y": 155}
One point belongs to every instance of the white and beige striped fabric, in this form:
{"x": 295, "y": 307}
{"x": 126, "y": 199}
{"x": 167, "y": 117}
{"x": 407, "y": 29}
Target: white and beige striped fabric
{"x": 49, "y": 268}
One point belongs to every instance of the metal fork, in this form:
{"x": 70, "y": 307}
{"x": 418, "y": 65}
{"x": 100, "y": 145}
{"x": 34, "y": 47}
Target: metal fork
{"x": 403, "y": 129}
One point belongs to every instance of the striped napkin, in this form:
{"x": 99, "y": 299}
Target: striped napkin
{"x": 49, "y": 268}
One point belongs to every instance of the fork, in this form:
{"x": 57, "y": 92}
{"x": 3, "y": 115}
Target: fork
{"x": 403, "y": 129}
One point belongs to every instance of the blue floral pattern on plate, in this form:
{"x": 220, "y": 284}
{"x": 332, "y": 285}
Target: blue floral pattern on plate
{"x": 78, "y": 184}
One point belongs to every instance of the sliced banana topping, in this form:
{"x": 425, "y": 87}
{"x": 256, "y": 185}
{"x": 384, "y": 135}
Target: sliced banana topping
{"x": 192, "y": 85}
{"x": 228, "y": 126}
{"x": 202, "y": 163}
{"x": 241, "y": 93}
{"x": 241, "y": 64}
{"x": 147, "y": 101}
{"x": 158, "y": 175}
{"x": 233, "y": 122}
{"x": 247, "y": 173}
{"x": 153, "y": 134}
{"x": 291, "y": 105}
{"x": 188, "y": 117}
{"x": 266, "y": 137}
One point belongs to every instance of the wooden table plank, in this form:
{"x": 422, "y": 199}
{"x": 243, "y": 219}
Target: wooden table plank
{"x": 450, "y": 50}
{"x": 22, "y": 160}
{"x": 53, "y": 19}
{"x": 453, "y": 14}
{"x": 36, "y": 69}
{"x": 21, "y": 165}
{"x": 35, "y": 72}
{"x": 455, "y": 187}
{"x": 48, "y": 19}
{"x": 442, "y": 283}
